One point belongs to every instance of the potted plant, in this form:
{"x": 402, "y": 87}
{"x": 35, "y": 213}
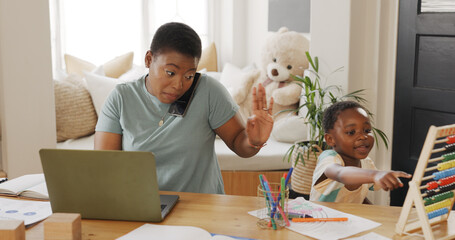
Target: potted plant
{"x": 304, "y": 154}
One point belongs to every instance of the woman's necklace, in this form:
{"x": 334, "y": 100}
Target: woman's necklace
{"x": 161, "y": 122}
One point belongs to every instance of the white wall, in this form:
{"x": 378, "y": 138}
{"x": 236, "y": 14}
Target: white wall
{"x": 372, "y": 67}
{"x": 257, "y": 34}
{"x": 330, "y": 35}
{"x": 26, "y": 92}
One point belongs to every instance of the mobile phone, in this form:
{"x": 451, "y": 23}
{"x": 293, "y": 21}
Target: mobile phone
{"x": 179, "y": 107}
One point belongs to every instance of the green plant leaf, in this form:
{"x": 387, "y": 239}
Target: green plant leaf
{"x": 310, "y": 60}
{"x": 383, "y": 137}
{"x": 297, "y": 78}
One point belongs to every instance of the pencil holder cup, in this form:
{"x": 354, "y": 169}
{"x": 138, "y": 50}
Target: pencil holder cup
{"x": 273, "y": 202}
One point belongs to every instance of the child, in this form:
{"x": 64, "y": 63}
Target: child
{"x": 345, "y": 173}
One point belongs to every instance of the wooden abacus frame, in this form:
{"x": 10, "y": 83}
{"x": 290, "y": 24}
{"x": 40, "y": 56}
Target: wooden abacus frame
{"x": 414, "y": 195}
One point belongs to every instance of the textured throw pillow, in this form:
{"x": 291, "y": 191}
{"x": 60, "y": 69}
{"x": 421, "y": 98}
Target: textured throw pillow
{"x": 208, "y": 59}
{"x": 75, "y": 114}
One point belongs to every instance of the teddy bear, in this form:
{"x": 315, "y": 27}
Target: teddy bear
{"x": 282, "y": 55}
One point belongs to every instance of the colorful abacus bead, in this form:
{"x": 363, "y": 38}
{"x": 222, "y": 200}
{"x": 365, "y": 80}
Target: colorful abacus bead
{"x": 441, "y": 189}
{"x": 448, "y": 156}
{"x": 432, "y": 185}
{"x": 450, "y": 147}
{"x": 438, "y": 198}
{"x": 447, "y": 180}
{"x": 447, "y": 187}
{"x": 446, "y": 165}
{"x": 437, "y": 213}
{"x": 430, "y": 193}
{"x": 450, "y": 139}
{"x": 435, "y": 206}
{"x": 443, "y": 174}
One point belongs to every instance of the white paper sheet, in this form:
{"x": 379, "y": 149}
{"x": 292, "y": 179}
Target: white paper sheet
{"x": 324, "y": 230}
{"x": 370, "y": 236}
{"x": 164, "y": 232}
{"x": 28, "y": 211}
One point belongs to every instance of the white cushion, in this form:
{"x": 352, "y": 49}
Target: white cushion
{"x": 133, "y": 74}
{"x": 99, "y": 87}
{"x": 216, "y": 75}
{"x": 233, "y": 77}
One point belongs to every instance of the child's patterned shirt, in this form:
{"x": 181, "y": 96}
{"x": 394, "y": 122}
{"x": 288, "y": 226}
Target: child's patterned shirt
{"x": 332, "y": 191}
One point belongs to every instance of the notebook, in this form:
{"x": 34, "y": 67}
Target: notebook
{"x": 112, "y": 185}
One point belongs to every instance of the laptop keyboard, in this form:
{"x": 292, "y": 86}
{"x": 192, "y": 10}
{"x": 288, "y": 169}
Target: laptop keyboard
{"x": 163, "y": 206}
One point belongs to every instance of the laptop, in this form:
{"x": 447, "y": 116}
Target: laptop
{"x": 98, "y": 184}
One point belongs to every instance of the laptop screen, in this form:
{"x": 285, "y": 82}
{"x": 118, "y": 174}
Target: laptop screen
{"x": 115, "y": 185}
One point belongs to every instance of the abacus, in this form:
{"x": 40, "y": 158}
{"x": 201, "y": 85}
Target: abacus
{"x": 435, "y": 198}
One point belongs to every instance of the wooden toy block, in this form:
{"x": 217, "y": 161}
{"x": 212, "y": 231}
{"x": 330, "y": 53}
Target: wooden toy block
{"x": 12, "y": 230}
{"x": 63, "y": 226}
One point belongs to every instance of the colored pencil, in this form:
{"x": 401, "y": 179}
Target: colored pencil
{"x": 319, "y": 219}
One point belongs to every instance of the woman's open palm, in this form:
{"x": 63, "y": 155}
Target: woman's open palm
{"x": 260, "y": 124}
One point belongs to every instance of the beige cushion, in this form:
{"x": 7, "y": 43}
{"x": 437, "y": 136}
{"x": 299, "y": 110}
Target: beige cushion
{"x": 208, "y": 59}
{"x": 75, "y": 114}
{"x": 119, "y": 65}
{"x": 113, "y": 68}
{"x": 77, "y": 66}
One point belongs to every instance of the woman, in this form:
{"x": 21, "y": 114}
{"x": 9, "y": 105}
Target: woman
{"x": 136, "y": 117}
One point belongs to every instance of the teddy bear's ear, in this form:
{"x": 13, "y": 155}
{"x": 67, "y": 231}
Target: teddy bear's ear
{"x": 283, "y": 29}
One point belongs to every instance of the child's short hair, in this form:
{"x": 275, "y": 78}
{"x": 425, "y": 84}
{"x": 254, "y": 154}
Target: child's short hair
{"x": 331, "y": 113}
{"x": 178, "y": 37}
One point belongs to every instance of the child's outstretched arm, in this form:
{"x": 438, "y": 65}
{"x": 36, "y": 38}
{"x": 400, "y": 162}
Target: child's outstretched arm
{"x": 354, "y": 177}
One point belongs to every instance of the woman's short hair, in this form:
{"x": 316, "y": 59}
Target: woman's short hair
{"x": 331, "y": 113}
{"x": 177, "y": 37}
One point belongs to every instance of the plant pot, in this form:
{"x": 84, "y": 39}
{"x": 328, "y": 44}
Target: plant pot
{"x": 302, "y": 175}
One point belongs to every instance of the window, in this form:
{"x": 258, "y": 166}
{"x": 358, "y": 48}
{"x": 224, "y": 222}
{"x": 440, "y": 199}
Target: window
{"x": 437, "y": 6}
{"x": 97, "y": 31}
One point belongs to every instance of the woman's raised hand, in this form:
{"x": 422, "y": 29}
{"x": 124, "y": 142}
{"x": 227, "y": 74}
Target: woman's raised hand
{"x": 260, "y": 124}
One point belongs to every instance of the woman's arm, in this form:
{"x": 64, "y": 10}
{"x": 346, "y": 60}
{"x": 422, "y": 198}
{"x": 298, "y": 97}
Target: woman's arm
{"x": 354, "y": 177}
{"x": 246, "y": 142}
{"x": 108, "y": 141}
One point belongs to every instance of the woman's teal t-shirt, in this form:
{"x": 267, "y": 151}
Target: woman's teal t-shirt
{"x": 183, "y": 146}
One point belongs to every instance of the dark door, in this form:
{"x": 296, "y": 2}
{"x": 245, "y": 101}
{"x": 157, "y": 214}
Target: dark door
{"x": 425, "y": 80}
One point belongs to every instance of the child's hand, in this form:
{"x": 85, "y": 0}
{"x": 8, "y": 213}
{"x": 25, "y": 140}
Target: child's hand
{"x": 389, "y": 180}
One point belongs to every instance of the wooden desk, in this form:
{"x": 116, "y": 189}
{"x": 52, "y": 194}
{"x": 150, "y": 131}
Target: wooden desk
{"x": 226, "y": 214}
